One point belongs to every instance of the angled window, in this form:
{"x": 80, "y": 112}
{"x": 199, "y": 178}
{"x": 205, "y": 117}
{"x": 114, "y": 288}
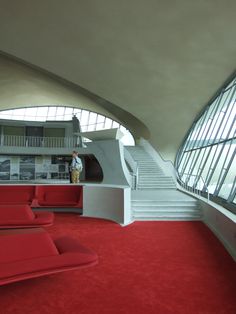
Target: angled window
{"x": 206, "y": 161}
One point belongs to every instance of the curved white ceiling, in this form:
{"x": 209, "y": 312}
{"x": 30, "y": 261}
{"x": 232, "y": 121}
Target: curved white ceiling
{"x": 159, "y": 60}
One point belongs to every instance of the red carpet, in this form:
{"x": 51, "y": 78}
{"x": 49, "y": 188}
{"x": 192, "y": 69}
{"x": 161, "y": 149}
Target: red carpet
{"x": 147, "y": 267}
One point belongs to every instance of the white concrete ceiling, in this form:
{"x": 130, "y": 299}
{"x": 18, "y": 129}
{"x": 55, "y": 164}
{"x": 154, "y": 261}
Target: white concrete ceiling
{"x": 159, "y": 60}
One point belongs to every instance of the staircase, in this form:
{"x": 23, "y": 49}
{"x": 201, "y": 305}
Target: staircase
{"x": 164, "y": 205}
{"x": 156, "y": 196}
{"x": 150, "y": 175}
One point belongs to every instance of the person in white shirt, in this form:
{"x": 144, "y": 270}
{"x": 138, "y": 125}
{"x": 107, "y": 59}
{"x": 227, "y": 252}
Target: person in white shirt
{"x": 76, "y": 167}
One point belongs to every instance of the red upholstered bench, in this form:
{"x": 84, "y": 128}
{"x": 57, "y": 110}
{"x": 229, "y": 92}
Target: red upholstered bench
{"x": 29, "y": 253}
{"x": 16, "y": 194}
{"x": 67, "y": 196}
{"x": 13, "y": 216}
{"x": 58, "y": 196}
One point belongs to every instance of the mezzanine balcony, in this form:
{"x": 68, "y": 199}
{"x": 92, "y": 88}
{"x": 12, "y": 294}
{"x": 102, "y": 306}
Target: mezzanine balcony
{"x": 39, "y": 142}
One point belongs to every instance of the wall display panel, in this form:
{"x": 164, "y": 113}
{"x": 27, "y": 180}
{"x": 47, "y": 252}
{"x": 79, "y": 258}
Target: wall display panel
{"x": 4, "y": 168}
{"x": 26, "y": 168}
{"x": 47, "y": 168}
{"x": 206, "y": 160}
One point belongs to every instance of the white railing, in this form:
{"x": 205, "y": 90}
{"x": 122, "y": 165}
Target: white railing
{"x": 194, "y": 188}
{"x": 134, "y": 168}
{"x": 32, "y": 141}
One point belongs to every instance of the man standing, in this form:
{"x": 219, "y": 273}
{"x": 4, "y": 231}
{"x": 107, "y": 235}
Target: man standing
{"x": 76, "y": 167}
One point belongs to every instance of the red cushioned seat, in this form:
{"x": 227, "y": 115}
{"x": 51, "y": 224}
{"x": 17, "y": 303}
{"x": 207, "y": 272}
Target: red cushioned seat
{"x": 59, "y": 195}
{"x": 16, "y": 194}
{"x": 29, "y": 253}
{"x": 13, "y": 216}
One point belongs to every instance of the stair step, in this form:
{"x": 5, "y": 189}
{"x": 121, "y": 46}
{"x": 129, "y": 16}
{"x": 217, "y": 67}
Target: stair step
{"x": 156, "y": 180}
{"x": 164, "y": 202}
{"x": 154, "y": 166}
{"x": 161, "y": 180}
{"x": 151, "y": 170}
{"x": 146, "y": 162}
{"x": 145, "y": 170}
{"x": 156, "y": 188}
{"x": 148, "y": 183}
{"x": 167, "y": 209}
{"x": 156, "y": 184}
{"x": 168, "y": 214}
{"x": 153, "y": 175}
{"x": 147, "y": 174}
{"x": 160, "y": 177}
{"x": 167, "y": 218}
{"x": 142, "y": 158}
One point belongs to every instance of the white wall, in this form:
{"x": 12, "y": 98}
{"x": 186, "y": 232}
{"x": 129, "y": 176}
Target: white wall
{"x": 110, "y": 156}
{"x": 223, "y": 224}
{"x": 221, "y": 221}
{"x": 107, "y": 202}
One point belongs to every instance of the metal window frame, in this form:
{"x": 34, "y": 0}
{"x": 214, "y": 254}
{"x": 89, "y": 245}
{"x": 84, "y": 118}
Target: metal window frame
{"x": 189, "y": 152}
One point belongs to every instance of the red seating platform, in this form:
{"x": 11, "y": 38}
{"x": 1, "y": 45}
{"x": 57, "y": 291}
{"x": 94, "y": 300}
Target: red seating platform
{"x": 21, "y": 216}
{"x": 42, "y": 195}
{"x": 29, "y": 253}
{"x": 58, "y": 195}
{"x": 16, "y": 194}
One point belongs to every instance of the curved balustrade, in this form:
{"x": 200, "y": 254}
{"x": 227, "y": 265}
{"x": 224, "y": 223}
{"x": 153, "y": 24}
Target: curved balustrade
{"x": 31, "y": 141}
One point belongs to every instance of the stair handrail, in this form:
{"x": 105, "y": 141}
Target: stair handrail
{"x": 133, "y": 166}
{"x": 136, "y": 177}
{"x": 193, "y": 189}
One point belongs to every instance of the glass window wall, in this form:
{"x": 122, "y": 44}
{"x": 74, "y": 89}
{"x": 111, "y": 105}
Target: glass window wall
{"x": 206, "y": 160}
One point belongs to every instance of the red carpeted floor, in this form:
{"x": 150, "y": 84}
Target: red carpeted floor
{"x": 147, "y": 267}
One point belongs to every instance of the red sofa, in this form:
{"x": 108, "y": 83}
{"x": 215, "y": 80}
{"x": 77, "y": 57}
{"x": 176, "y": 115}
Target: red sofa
{"x": 21, "y": 216}
{"x": 43, "y": 195}
{"x": 58, "y": 196}
{"x": 16, "y": 194}
{"x": 29, "y": 253}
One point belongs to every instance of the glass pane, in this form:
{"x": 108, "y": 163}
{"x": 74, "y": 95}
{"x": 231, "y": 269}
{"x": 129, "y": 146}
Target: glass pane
{"x": 31, "y": 112}
{"x": 17, "y": 112}
{"x": 69, "y": 113}
{"x": 210, "y": 153}
{"x": 115, "y": 125}
{"x": 128, "y": 139}
{"x": 100, "y": 119}
{"x": 91, "y": 127}
{"x": 84, "y": 117}
{"x": 99, "y": 126}
{"x": 228, "y": 182}
{"x": 92, "y": 118}
{"x": 60, "y": 113}
{"x": 52, "y": 112}
{"x": 42, "y": 112}
{"x": 183, "y": 160}
{"x": 108, "y": 123}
